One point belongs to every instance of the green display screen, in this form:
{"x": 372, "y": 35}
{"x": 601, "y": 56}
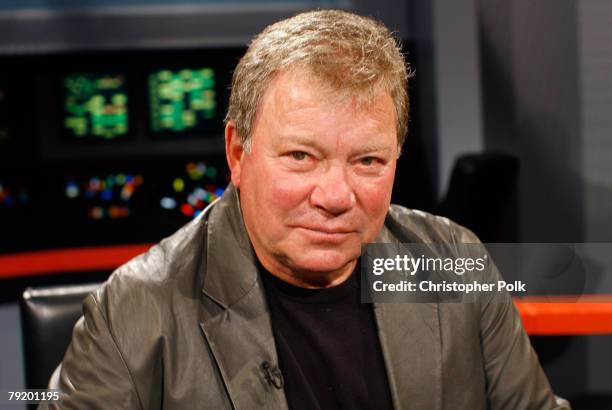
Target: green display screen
{"x": 95, "y": 106}
{"x": 182, "y": 101}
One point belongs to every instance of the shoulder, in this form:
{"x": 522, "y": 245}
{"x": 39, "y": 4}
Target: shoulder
{"x": 148, "y": 287}
{"x": 412, "y": 225}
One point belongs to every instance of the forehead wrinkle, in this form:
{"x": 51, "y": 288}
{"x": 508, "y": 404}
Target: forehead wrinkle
{"x": 297, "y": 97}
{"x": 300, "y": 121}
{"x": 300, "y": 87}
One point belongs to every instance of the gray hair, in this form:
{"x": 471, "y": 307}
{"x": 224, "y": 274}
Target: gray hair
{"x": 354, "y": 55}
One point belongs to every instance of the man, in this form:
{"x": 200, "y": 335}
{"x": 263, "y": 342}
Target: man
{"x": 255, "y": 304}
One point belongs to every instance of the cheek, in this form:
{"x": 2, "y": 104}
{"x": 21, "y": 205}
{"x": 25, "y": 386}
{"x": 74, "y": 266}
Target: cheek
{"x": 282, "y": 193}
{"x": 375, "y": 197}
{"x": 287, "y": 192}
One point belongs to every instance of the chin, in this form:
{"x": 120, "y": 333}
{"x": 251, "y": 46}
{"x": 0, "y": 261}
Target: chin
{"x": 323, "y": 261}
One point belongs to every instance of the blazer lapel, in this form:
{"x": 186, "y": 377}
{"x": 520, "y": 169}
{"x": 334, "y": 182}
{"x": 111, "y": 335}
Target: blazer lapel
{"x": 410, "y": 340}
{"x": 236, "y": 321}
{"x": 241, "y": 342}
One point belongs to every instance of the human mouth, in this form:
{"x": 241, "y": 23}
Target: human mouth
{"x": 330, "y": 234}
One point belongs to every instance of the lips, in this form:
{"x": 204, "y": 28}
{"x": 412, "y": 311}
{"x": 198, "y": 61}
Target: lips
{"x": 326, "y": 235}
{"x": 327, "y": 230}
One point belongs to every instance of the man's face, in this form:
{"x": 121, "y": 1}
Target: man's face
{"x": 317, "y": 182}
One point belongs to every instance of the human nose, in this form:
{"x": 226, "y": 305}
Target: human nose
{"x": 333, "y": 192}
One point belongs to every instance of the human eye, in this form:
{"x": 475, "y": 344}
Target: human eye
{"x": 371, "y": 161}
{"x": 298, "y": 156}
{"x": 298, "y": 160}
{"x": 370, "y": 165}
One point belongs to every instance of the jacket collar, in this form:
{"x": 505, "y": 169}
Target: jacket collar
{"x": 231, "y": 271}
{"x": 240, "y": 334}
{"x": 238, "y": 330}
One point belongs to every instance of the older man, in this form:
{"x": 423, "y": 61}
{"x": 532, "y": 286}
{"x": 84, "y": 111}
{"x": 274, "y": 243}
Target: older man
{"x": 255, "y": 304}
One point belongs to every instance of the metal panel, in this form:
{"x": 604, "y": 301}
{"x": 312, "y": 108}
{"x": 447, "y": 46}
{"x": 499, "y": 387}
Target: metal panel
{"x": 133, "y": 27}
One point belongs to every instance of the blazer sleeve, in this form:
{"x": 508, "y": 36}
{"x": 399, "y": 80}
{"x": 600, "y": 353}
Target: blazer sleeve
{"x": 514, "y": 377}
{"x": 93, "y": 374}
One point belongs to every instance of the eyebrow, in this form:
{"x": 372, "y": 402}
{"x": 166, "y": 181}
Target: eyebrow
{"x": 299, "y": 139}
{"x": 372, "y": 146}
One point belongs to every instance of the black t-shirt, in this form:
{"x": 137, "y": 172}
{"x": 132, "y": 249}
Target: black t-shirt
{"x": 328, "y": 348}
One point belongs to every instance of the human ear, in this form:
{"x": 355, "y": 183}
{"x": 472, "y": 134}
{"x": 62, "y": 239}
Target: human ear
{"x": 234, "y": 152}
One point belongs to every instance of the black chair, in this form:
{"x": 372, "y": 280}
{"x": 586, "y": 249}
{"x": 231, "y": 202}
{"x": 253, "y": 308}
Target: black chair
{"x": 482, "y": 195}
{"x": 48, "y": 316}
